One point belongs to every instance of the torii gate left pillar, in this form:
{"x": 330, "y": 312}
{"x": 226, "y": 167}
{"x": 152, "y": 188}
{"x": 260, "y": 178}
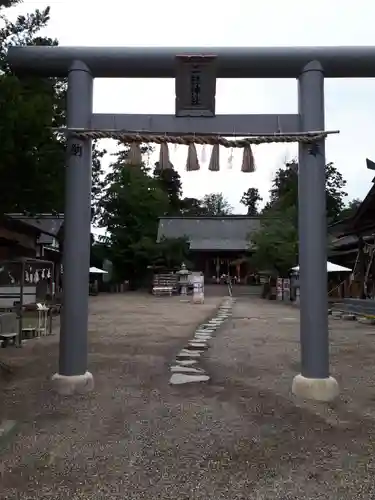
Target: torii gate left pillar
{"x": 73, "y": 376}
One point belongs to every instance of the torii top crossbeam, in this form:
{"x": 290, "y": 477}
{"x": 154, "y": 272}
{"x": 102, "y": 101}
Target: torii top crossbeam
{"x": 159, "y": 62}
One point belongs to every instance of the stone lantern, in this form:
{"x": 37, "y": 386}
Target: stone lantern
{"x": 183, "y": 279}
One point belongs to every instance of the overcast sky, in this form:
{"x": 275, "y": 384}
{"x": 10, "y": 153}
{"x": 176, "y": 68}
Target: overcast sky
{"x": 350, "y": 104}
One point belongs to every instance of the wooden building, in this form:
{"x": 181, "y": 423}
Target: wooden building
{"x": 17, "y": 239}
{"x": 218, "y": 245}
{"x": 353, "y": 245}
{"x": 36, "y": 237}
{"x": 49, "y": 230}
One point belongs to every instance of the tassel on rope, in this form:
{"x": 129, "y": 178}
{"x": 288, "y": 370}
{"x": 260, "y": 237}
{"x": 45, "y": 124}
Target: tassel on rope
{"x": 248, "y": 164}
{"x": 192, "y": 162}
{"x": 164, "y": 162}
{"x": 134, "y": 154}
{"x": 214, "y": 165}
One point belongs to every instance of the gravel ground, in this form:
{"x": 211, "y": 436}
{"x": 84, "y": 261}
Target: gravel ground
{"x": 295, "y": 449}
{"x": 241, "y": 436}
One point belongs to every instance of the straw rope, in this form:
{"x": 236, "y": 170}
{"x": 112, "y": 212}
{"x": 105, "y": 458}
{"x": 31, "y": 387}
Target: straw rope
{"x": 139, "y": 138}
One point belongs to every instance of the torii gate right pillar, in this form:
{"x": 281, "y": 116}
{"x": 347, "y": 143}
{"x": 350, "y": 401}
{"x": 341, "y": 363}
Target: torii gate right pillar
{"x": 314, "y": 381}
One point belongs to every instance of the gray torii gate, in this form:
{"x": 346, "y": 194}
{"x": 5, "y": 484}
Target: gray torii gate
{"x": 310, "y": 65}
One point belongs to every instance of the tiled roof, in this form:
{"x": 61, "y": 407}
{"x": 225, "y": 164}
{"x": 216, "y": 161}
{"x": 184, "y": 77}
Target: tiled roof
{"x": 46, "y": 223}
{"x": 211, "y": 233}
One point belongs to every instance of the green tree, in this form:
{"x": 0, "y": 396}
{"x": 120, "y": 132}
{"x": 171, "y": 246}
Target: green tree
{"x": 350, "y": 209}
{"x": 284, "y": 191}
{"x": 129, "y": 208}
{"x": 276, "y": 243}
{"x": 251, "y": 199}
{"x": 32, "y": 157}
{"x": 335, "y": 194}
{"x": 216, "y": 204}
{"x": 192, "y": 207}
{"x": 169, "y": 181}
{"x": 170, "y": 253}
{"x": 98, "y": 179}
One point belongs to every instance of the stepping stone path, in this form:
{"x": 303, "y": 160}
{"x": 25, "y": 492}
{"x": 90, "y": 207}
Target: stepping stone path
{"x": 184, "y": 370}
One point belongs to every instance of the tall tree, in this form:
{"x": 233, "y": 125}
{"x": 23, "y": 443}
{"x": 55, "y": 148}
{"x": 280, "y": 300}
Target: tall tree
{"x": 192, "y": 207}
{"x": 216, "y": 204}
{"x": 335, "y": 194}
{"x": 169, "y": 181}
{"x": 284, "y": 191}
{"x": 32, "y": 157}
{"x": 276, "y": 243}
{"x": 251, "y": 199}
{"x": 350, "y": 209}
{"x": 170, "y": 253}
{"x": 129, "y": 208}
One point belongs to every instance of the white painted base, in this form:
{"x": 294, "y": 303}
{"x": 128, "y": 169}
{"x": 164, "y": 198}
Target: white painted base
{"x": 318, "y": 389}
{"x": 74, "y": 384}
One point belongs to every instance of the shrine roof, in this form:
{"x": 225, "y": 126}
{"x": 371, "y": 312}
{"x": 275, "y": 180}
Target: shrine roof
{"x": 231, "y": 232}
{"x": 46, "y": 223}
{"x": 363, "y": 220}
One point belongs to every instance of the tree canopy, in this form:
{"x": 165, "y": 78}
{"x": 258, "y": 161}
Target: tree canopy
{"x": 130, "y": 202}
{"x": 32, "y": 157}
{"x": 251, "y": 199}
{"x": 276, "y": 242}
{"x": 350, "y": 209}
{"x": 284, "y": 190}
{"x": 215, "y": 204}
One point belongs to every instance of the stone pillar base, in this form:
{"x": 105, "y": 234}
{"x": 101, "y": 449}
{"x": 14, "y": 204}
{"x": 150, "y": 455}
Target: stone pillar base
{"x": 319, "y": 389}
{"x": 67, "y": 385}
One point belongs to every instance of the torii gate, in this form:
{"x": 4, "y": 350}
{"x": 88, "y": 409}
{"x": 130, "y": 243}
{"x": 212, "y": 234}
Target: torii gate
{"x": 197, "y": 116}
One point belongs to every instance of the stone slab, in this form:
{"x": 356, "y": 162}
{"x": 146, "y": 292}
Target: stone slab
{"x": 186, "y": 369}
{"x": 186, "y": 362}
{"x": 185, "y": 353}
{"x": 183, "y": 378}
{"x": 194, "y": 344}
{"x": 202, "y": 337}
